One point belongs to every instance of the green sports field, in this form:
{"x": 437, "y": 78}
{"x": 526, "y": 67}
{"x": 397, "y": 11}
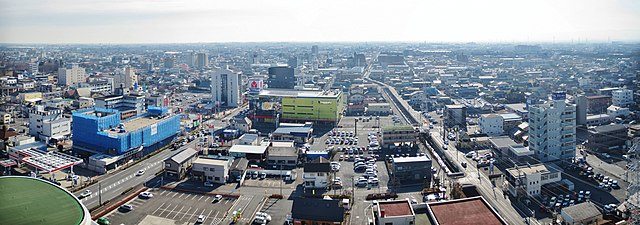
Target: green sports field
{"x": 31, "y": 201}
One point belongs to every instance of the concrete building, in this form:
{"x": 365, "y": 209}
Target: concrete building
{"x": 552, "y": 130}
{"x": 282, "y": 153}
{"x": 298, "y": 133}
{"x": 178, "y": 164}
{"x": 411, "y": 170}
{"x": 616, "y": 111}
{"x": 392, "y": 135}
{"x": 586, "y": 213}
{"x": 510, "y": 151}
{"x": 455, "y": 115}
{"x": 598, "y": 104}
{"x": 46, "y": 123}
{"x": 5, "y": 118}
{"x": 316, "y": 174}
{"x": 581, "y": 110}
{"x": 622, "y": 98}
{"x": 225, "y": 87}
{"x": 126, "y": 78}
{"x": 308, "y": 211}
{"x": 211, "y": 170}
{"x": 127, "y": 105}
{"x": 607, "y": 138}
{"x": 281, "y": 77}
{"x": 298, "y": 106}
{"x": 491, "y": 124}
{"x": 528, "y": 180}
{"x": 71, "y": 75}
{"x": 378, "y": 109}
{"x": 474, "y": 210}
{"x": 396, "y": 212}
{"x": 202, "y": 60}
{"x": 597, "y": 120}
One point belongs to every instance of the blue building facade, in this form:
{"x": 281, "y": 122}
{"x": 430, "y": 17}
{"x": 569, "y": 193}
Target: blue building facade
{"x": 99, "y": 130}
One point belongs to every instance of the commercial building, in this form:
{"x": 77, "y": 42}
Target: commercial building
{"x": 281, "y": 77}
{"x": 392, "y": 135}
{"x": 510, "y": 151}
{"x": 211, "y": 170}
{"x": 225, "y": 87}
{"x": 622, "y": 98}
{"x": 316, "y": 173}
{"x": 28, "y": 200}
{"x": 581, "y": 110}
{"x": 474, "y": 210}
{"x": 298, "y": 133}
{"x": 298, "y": 106}
{"x": 157, "y": 100}
{"x": 598, "y": 104}
{"x": 528, "y": 180}
{"x": 71, "y": 75}
{"x": 177, "y": 165}
{"x": 306, "y": 211}
{"x": 597, "y": 120}
{"x": 255, "y": 154}
{"x": 411, "y": 170}
{"x": 616, "y": 111}
{"x": 455, "y": 115}
{"x": 397, "y": 212}
{"x": 47, "y": 123}
{"x": 552, "y": 129}
{"x": 282, "y": 153}
{"x": 127, "y": 105}
{"x": 585, "y": 213}
{"x": 102, "y": 132}
{"x": 607, "y": 138}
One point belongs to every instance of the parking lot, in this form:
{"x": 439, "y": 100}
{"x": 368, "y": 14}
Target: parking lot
{"x": 273, "y": 181}
{"x": 176, "y": 207}
{"x": 278, "y": 209}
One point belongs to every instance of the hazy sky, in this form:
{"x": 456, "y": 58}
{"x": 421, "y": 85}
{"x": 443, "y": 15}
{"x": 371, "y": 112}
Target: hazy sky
{"x": 172, "y": 21}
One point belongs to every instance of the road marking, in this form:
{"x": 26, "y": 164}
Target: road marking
{"x": 165, "y": 209}
{"x": 207, "y": 216}
{"x": 181, "y": 195}
{"x": 201, "y": 197}
{"x": 215, "y": 218}
{"x": 194, "y": 197}
{"x": 173, "y": 210}
{"x": 174, "y": 217}
{"x": 185, "y": 213}
{"x": 174, "y": 194}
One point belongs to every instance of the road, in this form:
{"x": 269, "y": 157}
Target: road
{"x": 120, "y": 181}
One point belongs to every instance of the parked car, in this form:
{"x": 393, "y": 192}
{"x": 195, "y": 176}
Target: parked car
{"x": 263, "y": 175}
{"x": 126, "y": 207}
{"x": 254, "y": 174}
{"x": 200, "y": 219}
{"x": 217, "y": 198}
{"x": 85, "y": 194}
{"x": 145, "y": 194}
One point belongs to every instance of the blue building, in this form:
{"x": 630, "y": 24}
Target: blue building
{"x": 102, "y": 131}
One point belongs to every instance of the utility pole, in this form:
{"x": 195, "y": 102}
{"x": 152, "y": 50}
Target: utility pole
{"x": 281, "y": 179}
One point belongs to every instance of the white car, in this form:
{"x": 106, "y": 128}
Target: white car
{"x": 266, "y": 216}
{"x": 208, "y": 184}
{"x": 85, "y": 194}
{"x": 140, "y": 173}
{"x": 200, "y": 219}
{"x": 217, "y": 198}
{"x": 145, "y": 194}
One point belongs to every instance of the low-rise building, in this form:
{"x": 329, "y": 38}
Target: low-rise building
{"x": 607, "y": 138}
{"x": 178, "y": 164}
{"x": 237, "y": 168}
{"x": 378, "y": 109}
{"x": 455, "y": 115}
{"x": 411, "y": 170}
{"x": 254, "y": 154}
{"x": 249, "y": 139}
{"x": 307, "y": 211}
{"x": 316, "y": 173}
{"x": 617, "y": 111}
{"x": 528, "y": 180}
{"x": 211, "y": 170}
{"x": 282, "y": 153}
{"x": 491, "y": 124}
{"x": 585, "y": 213}
{"x": 599, "y": 119}
{"x": 397, "y": 212}
{"x": 622, "y": 98}
{"x": 474, "y": 210}
{"x": 392, "y": 135}
{"x": 298, "y": 133}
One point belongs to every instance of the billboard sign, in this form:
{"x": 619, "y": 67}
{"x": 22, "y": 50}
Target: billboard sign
{"x": 559, "y": 95}
{"x": 255, "y": 85}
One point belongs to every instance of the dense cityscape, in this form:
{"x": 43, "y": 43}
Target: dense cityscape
{"x": 297, "y": 112}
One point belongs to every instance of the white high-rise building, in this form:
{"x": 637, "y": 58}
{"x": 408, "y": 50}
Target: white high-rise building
{"x": 73, "y": 75}
{"x": 47, "y": 122}
{"x": 225, "y": 87}
{"x": 622, "y": 98}
{"x": 126, "y": 78}
{"x": 552, "y": 129}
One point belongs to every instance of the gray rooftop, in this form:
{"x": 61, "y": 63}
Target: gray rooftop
{"x": 502, "y": 142}
{"x": 582, "y": 211}
{"x": 184, "y": 155}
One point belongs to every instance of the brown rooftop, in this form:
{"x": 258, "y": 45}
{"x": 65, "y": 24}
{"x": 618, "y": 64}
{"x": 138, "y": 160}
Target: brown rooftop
{"x": 395, "y": 208}
{"x": 475, "y": 211}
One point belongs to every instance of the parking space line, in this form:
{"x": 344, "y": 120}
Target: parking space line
{"x": 154, "y": 212}
{"x": 180, "y": 211}
{"x": 215, "y": 218}
{"x": 172, "y": 210}
{"x": 185, "y": 213}
{"x": 163, "y": 210}
{"x": 207, "y": 215}
{"x": 181, "y": 195}
{"x": 194, "y": 197}
{"x": 201, "y": 197}
{"x": 174, "y": 194}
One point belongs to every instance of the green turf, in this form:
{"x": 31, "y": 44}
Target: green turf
{"x": 31, "y": 201}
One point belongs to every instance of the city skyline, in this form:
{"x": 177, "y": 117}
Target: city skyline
{"x": 122, "y": 22}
